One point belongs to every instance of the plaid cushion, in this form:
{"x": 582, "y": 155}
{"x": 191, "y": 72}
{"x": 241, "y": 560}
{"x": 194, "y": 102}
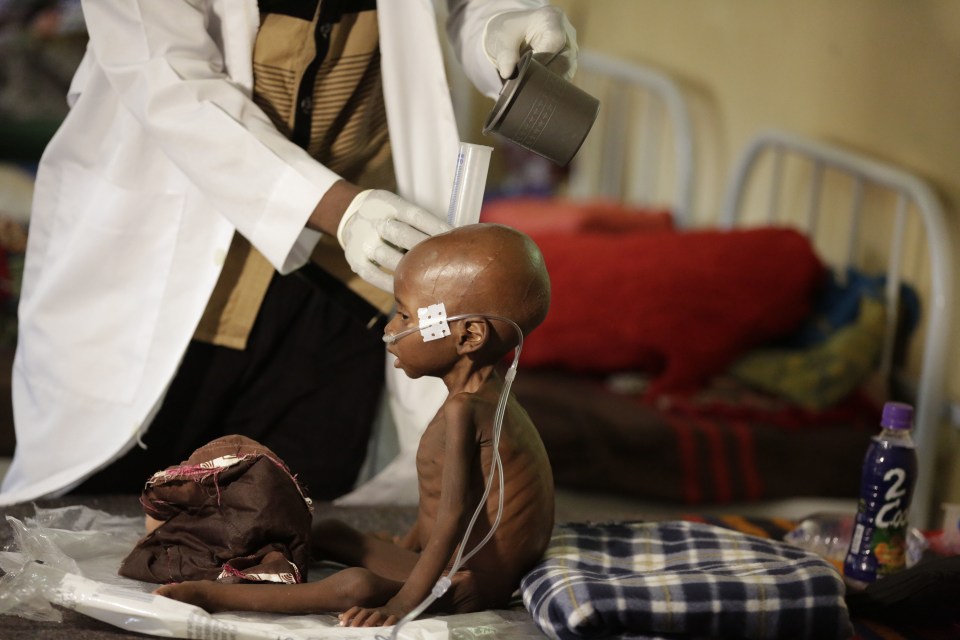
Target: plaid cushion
{"x": 646, "y": 580}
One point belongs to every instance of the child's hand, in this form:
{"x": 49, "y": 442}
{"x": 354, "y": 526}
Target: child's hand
{"x": 407, "y": 541}
{"x": 386, "y": 536}
{"x": 371, "y": 617}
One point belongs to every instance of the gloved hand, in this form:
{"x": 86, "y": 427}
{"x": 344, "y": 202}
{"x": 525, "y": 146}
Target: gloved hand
{"x": 377, "y": 227}
{"x": 508, "y": 35}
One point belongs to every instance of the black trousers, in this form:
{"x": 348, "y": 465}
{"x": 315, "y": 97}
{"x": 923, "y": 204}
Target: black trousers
{"x": 307, "y": 386}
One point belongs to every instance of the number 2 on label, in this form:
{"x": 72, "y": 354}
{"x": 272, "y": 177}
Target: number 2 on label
{"x": 899, "y": 476}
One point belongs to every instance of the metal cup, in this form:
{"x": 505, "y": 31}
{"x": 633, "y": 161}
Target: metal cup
{"x": 543, "y": 112}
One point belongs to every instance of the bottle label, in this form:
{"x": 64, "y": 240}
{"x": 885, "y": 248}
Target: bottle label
{"x": 857, "y": 539}
{"x": 879, "y": 543}
{"x": 893, "y": 514}
{"x": 889, "y": 539}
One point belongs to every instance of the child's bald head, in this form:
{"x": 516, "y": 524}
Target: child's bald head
{"x": 481, "y": 268}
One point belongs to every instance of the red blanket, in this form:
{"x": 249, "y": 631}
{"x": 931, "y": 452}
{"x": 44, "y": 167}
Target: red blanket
{"x": 678, "y": 304}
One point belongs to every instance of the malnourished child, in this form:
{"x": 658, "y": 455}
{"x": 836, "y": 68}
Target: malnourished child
{"x": 480, "y": 279}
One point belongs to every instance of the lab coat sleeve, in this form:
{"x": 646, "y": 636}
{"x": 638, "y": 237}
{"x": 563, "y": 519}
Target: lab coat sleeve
{"x": 465, "y": 25}
{"x": 169, "y": 72}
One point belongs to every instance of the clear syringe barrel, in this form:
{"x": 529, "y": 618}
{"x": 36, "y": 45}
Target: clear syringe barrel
{"x": 469, "y": 182}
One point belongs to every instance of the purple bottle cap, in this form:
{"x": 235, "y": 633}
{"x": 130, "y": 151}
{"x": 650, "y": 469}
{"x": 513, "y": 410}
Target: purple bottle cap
{"x": 897, "y": 415}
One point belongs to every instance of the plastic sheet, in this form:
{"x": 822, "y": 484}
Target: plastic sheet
{"x": 27, "y": 594}
{"x": 69, "y": 557}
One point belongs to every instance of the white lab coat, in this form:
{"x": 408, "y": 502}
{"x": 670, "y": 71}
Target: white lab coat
{"x": 161, "y": 158}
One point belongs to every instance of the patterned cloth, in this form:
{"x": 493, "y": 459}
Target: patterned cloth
{"x": 670, "y": 579}
{"x": 231, "y": 512}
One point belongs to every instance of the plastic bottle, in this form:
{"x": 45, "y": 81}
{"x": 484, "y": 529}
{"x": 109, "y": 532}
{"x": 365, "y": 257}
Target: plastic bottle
{"x": 826, "y": 534}
{"x": 879, "y": 542}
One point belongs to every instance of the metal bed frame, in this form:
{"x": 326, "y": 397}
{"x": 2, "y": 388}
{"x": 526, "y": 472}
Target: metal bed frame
{"x": 642, "y": 151}
{"x": 642, "y": 140}
{"x": 910, "y": 196}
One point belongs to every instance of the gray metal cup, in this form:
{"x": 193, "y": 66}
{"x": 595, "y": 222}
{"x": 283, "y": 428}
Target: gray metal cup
{"x": 543, "y": 112}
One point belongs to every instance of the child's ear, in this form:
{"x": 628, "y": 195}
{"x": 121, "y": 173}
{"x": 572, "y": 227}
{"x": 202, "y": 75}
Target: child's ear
{"x": 475, "y": 333}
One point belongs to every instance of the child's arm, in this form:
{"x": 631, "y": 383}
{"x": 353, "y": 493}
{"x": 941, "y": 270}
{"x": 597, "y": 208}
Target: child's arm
{"x": 459, "y": 450}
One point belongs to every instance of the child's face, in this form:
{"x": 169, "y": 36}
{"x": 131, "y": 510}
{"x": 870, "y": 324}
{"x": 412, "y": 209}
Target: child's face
{"x": 416, "y": 357}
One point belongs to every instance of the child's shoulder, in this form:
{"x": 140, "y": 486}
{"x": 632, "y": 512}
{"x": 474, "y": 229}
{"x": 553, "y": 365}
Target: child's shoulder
{"x": 468, "y": 406}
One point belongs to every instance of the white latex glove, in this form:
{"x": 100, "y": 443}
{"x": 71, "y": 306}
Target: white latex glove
{"x": 546, "y": 31}
{"x": 377, "y": 228}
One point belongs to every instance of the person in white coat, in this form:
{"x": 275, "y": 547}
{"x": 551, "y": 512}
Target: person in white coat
{"x": 211, "y": 157}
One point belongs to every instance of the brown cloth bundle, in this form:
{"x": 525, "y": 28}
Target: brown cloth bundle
{"x": 231, "y": 512}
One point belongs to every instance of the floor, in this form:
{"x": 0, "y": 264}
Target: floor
{"x": 610, "y": 507}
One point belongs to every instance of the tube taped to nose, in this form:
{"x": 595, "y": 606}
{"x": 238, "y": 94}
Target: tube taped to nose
{"x": 433, "y": 322}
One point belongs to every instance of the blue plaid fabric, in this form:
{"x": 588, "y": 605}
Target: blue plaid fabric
{"x": 681, "y": 579}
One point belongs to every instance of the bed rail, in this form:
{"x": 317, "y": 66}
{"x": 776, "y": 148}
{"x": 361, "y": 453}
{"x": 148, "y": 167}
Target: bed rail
{"x": 911, "y": 195}
{"x": 631, "y": 165}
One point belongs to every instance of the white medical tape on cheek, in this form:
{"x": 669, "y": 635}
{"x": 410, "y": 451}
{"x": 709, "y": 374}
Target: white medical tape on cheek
{"x": 433, "y": 322}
